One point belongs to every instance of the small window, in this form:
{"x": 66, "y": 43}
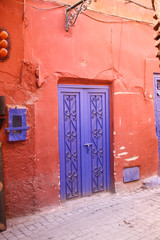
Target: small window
{"x": 158, "y": 84}
{"x": 17, "y": 124}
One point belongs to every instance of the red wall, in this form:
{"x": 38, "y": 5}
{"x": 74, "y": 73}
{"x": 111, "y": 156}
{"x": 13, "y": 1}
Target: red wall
{"x": 120, "y": 55}
{"x": 17, "y": 84}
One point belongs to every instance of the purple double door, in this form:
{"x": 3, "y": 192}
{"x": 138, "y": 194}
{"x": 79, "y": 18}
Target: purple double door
{"x": 84, "y": 140}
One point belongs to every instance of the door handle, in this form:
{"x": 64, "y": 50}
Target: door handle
{"x": 88, "y": 145}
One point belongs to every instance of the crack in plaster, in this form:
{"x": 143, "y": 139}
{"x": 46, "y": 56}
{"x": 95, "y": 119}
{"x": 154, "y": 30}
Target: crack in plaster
{"x": 132, "y": 158}
{"x": 122, "y": 154}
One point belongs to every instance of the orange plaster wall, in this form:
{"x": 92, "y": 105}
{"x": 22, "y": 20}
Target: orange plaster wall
{"x": 47, "y": 161}
{"x": 115, "y": 54}
{"x": 17, "y": 84}
{"x": 111, "y": 52}
{"x": 92, "y": 51}
{"x": 120, "y": 8}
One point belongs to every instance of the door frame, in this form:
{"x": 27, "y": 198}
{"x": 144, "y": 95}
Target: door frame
{"x": 107, "y": 135}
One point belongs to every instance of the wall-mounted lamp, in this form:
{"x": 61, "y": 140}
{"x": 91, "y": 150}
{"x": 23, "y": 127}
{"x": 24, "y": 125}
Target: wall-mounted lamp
{"x": 73, "y": 11}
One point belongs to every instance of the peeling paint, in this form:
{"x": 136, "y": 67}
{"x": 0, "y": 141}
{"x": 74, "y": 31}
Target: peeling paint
{"x": 123, "y": 153}
{"x": 122, "y": 148}
{"x": 132, "y": 158}
{"x": 114, "y": 133}
{"x": 133, "y": 93}
{"x": 114, "y": 151}
{"x": 83, "y": 63}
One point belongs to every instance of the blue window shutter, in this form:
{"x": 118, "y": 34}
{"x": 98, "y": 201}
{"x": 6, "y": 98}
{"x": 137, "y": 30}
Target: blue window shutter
{"x": 17, "y": 125}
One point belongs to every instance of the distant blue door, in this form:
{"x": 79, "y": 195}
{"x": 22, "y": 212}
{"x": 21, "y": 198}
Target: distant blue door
{"x": 84, "y": 140}
{"x": 157, "y": 108}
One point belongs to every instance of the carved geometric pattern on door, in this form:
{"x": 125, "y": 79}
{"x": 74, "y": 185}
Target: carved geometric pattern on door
{"x": 97, "y": 142}
{"x": 70, "y": 133}
{"x": 84, "y": 140}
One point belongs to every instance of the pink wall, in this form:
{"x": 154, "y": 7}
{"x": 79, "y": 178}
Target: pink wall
{"x": 121, "y": 55}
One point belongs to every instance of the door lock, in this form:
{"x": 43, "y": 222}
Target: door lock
{"x": 88, "y": 145}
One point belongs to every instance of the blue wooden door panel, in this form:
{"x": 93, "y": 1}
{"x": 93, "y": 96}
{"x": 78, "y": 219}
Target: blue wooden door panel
{"x": 84, "y": 140}
{"x": 157, "y": 108}
{"x": 157, "y": 102}
{"x": 97, "y": 131}
{"x": 69, "y": 145}
{"x": 98, "y": 119}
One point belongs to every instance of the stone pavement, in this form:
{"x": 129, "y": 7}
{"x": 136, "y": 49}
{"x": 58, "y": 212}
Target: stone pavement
{"x": 132, "y": 215}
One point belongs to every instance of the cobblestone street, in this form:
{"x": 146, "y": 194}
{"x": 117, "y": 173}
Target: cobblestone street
{"x": 125, "y": 216}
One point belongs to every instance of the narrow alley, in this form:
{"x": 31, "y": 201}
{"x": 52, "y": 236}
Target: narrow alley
{"x": 133, "y": 215}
